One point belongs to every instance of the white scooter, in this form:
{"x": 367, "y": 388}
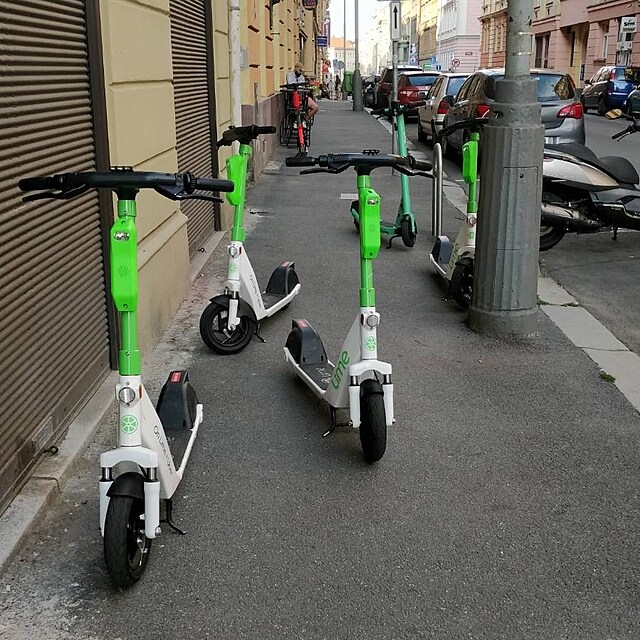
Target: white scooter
{"x": 455, "y": 262}
{"x": 233, "y": 317}
{"x": 358, "y": 381}
{"x": 140, "y": 471}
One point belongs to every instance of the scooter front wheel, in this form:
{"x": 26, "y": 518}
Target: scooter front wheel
{"x": 462, "y": 284}
{"x": 217, "y": 335}
{"x": 126, "y": 548}
{"x": 407, "y": 232}
{"x": 373, "y": 422}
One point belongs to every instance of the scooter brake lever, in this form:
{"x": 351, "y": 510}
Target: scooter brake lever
{"x": 196, "y": 196}
{"x": 318, "y": 170}
{"x": 57, "y": 195}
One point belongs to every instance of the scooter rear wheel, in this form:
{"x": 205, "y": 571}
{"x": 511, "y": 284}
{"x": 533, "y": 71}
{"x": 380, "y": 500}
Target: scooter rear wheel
{"x": 373, "y": 422}
{"x": 549, "y": 237}
{"x": 126, "y": 548}
{"x": 462, "y": 284}
{"x": 407, "y": 232}
{"x": 217, "y": 335}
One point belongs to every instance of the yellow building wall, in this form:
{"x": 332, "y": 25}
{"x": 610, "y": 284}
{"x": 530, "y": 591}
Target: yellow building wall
{"x": 141, "y": 123}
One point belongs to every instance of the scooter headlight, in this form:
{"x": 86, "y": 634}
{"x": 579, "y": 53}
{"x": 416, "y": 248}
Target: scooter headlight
{"x": 126, "y": 395}
{"x": 372, "y": 320}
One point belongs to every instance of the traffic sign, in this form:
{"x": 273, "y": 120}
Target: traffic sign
{"x": 434, "y": 59}
{"x": 395, "y": 20}
{"x": 455, "y": 62}
{"x": 413, "y": 60}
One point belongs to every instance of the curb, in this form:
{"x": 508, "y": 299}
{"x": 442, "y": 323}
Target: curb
{"x": 51, "y": 473}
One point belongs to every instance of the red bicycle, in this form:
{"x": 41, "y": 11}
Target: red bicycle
{"x": 296, "y": 123}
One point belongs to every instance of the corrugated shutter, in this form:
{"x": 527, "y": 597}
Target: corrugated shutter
{"x": 53, "y": 311}
{"x": 191, "y": 49}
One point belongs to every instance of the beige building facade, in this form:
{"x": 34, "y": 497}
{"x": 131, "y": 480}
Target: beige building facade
{"x": 90, "y": 84}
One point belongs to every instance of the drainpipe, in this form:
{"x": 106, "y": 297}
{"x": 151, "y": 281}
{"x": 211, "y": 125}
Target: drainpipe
{"x": 236, "y": 70}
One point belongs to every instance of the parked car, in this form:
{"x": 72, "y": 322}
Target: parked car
{"x": 562, "y": 112}
{"x": 447, "y": 84}
{"x": 413, "y": 83}
{"x": 384, "y": 87}
{"x": 609, "y": 88}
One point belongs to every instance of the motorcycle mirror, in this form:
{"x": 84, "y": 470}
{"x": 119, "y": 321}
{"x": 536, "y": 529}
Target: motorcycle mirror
{"x": 614, "y": 114}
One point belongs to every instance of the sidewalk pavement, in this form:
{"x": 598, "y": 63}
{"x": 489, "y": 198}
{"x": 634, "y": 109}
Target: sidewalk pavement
{"x": 506, "y": 505}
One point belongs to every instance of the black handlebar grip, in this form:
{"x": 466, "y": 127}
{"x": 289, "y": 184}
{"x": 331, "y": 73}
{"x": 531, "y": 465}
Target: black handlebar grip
{"x": 378, "y": 112}
{"x": 624, "y": 132}
{"x": 301, "y": 161}
{"x": 41, "y": 183}
{"x": 422, "y": 165}
{"x": 214, "y": 184}
{"x": 263, "y": 130}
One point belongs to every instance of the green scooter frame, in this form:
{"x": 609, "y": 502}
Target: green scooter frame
{"x": 358, "y": 382}
{"x": 455, "y": 262}
{"x": 154, "y": 442}
{"x": 404, "y": 226}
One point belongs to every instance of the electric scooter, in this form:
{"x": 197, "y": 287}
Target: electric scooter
{"x": 455, "y": 262}
{"x": 233, "y": 317}
{"x": 140, "y": 472}
{"x": 404, "y": 225}
{"x": 358, "y": 381}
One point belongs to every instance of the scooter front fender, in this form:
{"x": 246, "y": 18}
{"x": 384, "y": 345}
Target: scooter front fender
{"x": 244, "y": 308}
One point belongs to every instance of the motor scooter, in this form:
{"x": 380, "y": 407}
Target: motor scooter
{"x": 582, "y": 193}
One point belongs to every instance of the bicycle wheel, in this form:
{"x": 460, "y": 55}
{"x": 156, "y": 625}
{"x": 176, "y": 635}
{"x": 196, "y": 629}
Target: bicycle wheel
{"x": 301, "y": 137}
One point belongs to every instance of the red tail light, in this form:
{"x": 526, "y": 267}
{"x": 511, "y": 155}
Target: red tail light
{"x": 482, "y": 110}
{"x": 574, "y": 110}
{"x": 443, "y": 107}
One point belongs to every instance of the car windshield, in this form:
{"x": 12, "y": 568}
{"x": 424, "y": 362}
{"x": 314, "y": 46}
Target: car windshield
{"x": 454, "y": 85}
{"x": 421, "y": 81}
{"x": 552, "y": 87}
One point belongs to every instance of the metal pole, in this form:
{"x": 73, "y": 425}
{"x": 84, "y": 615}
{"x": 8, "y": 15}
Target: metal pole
{"x": 436, "y": 203}
{"x": 357, "y": 78}
{"x": 394, "y": 91}
{"x": 506, "y": 262}
{"x": 344, "y": 48}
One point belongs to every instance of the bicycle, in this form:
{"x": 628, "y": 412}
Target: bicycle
{"x": 140, "y": 471}
{"x": 296, "y": 122}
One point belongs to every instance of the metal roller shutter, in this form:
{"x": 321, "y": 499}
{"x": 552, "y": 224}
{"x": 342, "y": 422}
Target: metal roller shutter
{"x": 191, "y": 50}
{"x": 53, "y": 318}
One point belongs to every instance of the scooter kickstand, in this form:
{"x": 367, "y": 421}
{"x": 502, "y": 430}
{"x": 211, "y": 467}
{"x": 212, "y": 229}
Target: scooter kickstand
{"x": 259, "y": 336}
{"x": 169, "y": 518}
{"x": 615, "y": 234}
{"x": 334, "y": 423}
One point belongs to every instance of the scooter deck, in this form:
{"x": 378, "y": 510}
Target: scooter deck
{"x": 178, "y": 441}
{"x": 320, "y": 374}
{"x": 269, "y": 299}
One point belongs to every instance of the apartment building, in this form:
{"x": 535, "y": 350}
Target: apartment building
{"x": 574, "y": 36}
{"x": 89, "y": 84}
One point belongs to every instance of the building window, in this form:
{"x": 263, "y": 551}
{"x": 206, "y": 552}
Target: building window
{"x": 573, "y": 49}
{"x": 605, "y": 40}
{"x": 541, "y": 60}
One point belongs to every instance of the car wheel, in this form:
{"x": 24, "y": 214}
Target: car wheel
{"x": 422, "y": 134}
{"x": 602, "y": 107}
{"x": 584, "y": 106}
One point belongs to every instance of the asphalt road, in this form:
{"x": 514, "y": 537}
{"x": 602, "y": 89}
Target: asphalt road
{"x": 601, "y": 274}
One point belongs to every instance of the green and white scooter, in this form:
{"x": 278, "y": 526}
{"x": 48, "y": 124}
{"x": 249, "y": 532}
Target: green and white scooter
{"x": 233, "y": 317}
{"x": 358, "y": 381}
{"x": 404, "y": 226}
{"x": 140, "y": 472}
{"x": 455, "y": 262}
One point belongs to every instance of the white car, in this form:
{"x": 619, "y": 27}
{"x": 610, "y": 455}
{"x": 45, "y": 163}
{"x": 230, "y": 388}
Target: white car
{"x": 434, "y": 111}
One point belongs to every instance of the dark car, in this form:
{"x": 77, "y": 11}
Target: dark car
{"x": 609, "y": 88}
{"x": 562, "y": 113}
{"x": 384, "y": 87}
{"x": 412, "y": 84}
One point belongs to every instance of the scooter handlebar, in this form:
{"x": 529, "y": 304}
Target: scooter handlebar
{"x": 243, "y": 135}
{"x": 469, "y": 123}
{"x": 379, "y": 112}
{"x": 301, "y": 161}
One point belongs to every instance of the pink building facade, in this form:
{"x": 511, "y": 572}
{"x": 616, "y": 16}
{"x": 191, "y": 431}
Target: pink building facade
{"x": 580, "y": 36}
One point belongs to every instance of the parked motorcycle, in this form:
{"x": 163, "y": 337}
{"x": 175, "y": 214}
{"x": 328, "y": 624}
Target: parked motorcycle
{"x": 583, "y": 193}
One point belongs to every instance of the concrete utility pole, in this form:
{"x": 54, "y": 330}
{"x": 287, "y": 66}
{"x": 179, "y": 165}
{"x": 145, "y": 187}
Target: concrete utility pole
{"x": 506, "y": 263}
{"x": 357, "y": 78}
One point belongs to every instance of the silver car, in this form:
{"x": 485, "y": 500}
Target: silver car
{"x": 448, "y": 84}
{"x": 562, "y": 113}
